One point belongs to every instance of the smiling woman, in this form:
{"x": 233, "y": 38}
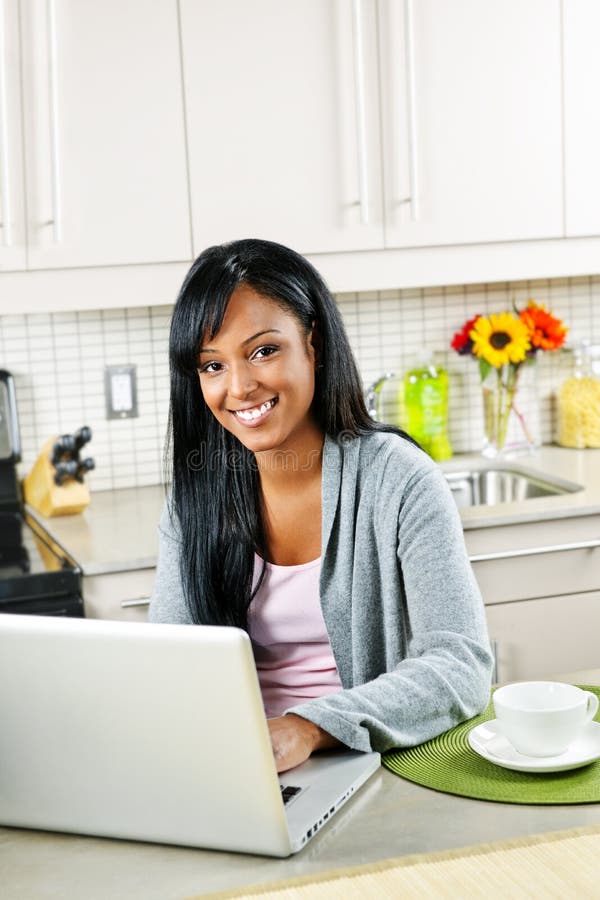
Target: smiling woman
{"x": 259, "y": 373}
{"x": 332, "y": 539}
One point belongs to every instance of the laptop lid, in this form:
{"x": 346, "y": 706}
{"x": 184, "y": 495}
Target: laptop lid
{"x": 153, "y": 733}
{"x": 131, "y": 730}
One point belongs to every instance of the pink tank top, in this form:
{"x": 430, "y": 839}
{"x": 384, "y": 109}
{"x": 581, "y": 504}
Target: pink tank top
{"x": 291, "y": 647}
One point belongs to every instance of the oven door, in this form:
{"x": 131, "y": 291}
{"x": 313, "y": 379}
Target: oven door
{"x": 38, "y": 578}
{"x": 45, "y": 606}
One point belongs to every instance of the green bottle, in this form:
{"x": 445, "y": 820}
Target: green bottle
{"x": 425, "y": 397}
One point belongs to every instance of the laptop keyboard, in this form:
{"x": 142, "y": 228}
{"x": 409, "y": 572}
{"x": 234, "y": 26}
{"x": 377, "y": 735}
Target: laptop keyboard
{"x": 287, "y": 792}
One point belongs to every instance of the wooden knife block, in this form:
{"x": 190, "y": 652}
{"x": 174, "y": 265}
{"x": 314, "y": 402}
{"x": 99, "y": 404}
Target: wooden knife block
{"x": 50, "y": 499}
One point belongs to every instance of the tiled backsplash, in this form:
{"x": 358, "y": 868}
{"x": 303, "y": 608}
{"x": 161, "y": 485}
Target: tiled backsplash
{"x": 387, "y": 329}
{"x": 58, "y": 363}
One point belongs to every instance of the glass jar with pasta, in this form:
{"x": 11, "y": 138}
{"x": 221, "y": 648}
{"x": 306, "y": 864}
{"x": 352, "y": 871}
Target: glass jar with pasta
{"x": 579, "y": 401}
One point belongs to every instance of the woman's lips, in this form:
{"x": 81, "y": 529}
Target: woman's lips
{"x": 252, "y": 416}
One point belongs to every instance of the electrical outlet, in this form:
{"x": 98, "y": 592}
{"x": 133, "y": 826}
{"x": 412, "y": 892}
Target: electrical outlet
{"x": 121, "y": 392}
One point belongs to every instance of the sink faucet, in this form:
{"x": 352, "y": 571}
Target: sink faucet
{"x": 372, "y": 393}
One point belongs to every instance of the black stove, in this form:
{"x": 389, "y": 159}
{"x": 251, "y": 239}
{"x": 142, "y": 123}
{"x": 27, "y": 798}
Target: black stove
{"x": 36, "y": 576}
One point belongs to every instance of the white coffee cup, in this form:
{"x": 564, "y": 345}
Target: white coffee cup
{"x": 541, "y": 718}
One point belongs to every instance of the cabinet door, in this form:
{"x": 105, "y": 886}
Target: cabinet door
{"x": 104, "y": 133}
{"x": 582, "y": 117}
{"x": 12, "y": 206}
{"x": 542, "y": 638}
{"x": 282, "y": 117}
{"x": 119, "y": 595}
{"x": 471, "y": 115}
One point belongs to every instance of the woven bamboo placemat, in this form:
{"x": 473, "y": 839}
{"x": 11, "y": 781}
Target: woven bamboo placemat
{"x": 562, "y": 865}
{"x": 447, "y": 763}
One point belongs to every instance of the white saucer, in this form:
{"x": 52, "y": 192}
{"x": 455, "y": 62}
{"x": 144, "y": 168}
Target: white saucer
{"x": 485, "y": 740}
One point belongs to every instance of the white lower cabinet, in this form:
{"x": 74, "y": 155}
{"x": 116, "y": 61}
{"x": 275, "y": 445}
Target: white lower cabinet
{"x": 119, "y": 595}
{"x": 542, "y": 597}
{"x": 541, "y": 588}
{"x": 544, "y": 637}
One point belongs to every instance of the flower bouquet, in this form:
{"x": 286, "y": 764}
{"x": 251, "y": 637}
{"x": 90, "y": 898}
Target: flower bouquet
{"x": 504, "y": 343}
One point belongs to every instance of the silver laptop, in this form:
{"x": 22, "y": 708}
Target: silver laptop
{"x": 152, "y": 733}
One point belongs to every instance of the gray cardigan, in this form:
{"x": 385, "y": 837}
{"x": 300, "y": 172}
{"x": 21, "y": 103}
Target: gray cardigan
{"x": 402, "y": 609}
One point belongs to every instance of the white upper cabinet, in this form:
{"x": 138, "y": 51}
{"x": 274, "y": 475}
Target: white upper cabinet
{"x": 12, "y": 187}
{"x": 134, "y": 133}
{"x": 471, "y": 120}
{"x": 286, "y": 103}
{"x": 582, "y": 117}
{"x": 104, "y": 133}
{"x": 283, "y": 122}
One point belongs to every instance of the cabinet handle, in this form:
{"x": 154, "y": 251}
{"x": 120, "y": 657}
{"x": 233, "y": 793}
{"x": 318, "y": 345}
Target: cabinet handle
{"x": 56, "y": 220}
{"x": 361, "y": 125}
{"x": 6, "y": 223}
{"x": 412, "y": 110}
{"x": 534, "y": 551}
{"x": 494, "y": 649}
{"x": 141, "y": 601}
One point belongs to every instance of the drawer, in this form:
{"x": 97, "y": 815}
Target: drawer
{"x": 119, "y": 595}
{"x": 543, "y": 559}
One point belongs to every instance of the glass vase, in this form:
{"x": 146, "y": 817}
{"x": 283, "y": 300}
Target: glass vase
{"x": 511, "y": 421}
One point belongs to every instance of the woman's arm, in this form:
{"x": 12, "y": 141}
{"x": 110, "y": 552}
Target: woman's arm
{"x": 167, "y": 603}
{"x": 435, "y": 625}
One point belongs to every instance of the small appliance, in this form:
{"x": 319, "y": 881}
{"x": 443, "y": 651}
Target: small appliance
{"x": 36, "y": 576}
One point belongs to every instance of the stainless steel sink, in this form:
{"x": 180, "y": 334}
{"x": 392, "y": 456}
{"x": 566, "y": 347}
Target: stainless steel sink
{"x": 503, "y": 483}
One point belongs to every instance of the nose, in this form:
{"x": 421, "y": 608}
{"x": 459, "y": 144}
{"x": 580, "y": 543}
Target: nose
{"x": 242, "y": 381}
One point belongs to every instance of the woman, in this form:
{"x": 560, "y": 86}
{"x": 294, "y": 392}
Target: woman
{"x": 332, "y": 539}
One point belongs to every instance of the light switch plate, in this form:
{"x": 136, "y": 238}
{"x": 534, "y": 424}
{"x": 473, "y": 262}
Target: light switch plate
{"x": 120, "y": 389}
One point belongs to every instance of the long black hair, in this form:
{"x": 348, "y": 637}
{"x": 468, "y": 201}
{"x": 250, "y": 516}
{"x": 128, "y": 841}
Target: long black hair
{"x": 216, "y": 497}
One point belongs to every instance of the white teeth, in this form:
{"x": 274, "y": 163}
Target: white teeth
{"x": 255, "y": 413}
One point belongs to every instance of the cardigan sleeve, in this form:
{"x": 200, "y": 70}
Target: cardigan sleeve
{"x": 443, "y": 673}
{"x": 167, "y": 603}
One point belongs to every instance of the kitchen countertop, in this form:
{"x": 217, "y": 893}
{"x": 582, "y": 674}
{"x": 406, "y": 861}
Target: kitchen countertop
{"x": 389, "y": 817}
{"x": 117, "y": 532}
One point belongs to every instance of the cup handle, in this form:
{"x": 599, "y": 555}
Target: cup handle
{"x": 592, "y": 706}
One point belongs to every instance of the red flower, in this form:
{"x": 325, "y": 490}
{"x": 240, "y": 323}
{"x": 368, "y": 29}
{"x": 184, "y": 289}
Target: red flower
{"x": 546, "y": 332}
{"x": 461, "y": 342}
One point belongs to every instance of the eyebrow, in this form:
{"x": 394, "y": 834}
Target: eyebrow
{"x": 247, "y": 341}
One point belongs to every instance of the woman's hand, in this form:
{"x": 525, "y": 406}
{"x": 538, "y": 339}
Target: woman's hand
{"x": 294, "y": 739}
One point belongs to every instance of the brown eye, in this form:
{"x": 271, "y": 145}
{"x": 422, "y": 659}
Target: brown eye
{"x": 210, "y": 368}
{"x": 264, "y": 352}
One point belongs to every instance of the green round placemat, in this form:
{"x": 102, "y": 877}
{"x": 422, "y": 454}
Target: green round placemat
{"x": 447, "y": 763}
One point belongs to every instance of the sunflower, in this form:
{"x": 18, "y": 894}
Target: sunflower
{"x": 500, "y": 339}
{"x": 546, "y": 332}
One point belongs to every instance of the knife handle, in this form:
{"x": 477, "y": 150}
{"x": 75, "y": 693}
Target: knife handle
{"x": 63, "y": 446}
{"x": 65, "y": 469}
{"x": 56, "y": 452}
{"x": 86, "y": 465}
{"x": 82, "y": 436}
